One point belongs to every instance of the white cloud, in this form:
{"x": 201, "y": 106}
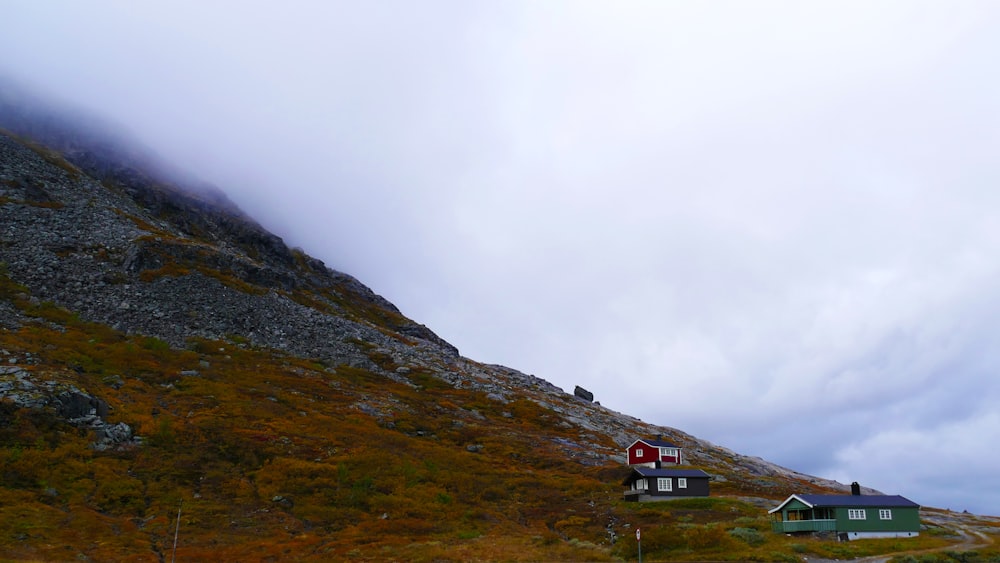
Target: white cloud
{"x": 924, "y": 462}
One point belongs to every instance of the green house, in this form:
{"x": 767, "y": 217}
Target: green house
{"x": 850, "y": 517}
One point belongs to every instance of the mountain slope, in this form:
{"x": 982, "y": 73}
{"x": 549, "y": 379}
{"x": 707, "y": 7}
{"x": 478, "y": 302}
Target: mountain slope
{"x": 161, "y": 353}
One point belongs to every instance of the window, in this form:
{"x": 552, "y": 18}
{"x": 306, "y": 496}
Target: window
{"x": 682, "y": 483}
{"x": 664, "y": 484}
{"x": 638, "y": 452}
{"x": 640, "y": 484}
{"x": 668, "y": 452}
{"x": 884, "y": 514}
{"x": 856, "y": 514}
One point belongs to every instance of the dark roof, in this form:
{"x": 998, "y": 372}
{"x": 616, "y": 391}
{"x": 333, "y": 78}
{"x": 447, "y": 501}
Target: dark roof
{"x": 638, "y": 472}
{"x": 857, "y": 500}
{"x": 657, "y": 443}
{"x": 648, "y": 472}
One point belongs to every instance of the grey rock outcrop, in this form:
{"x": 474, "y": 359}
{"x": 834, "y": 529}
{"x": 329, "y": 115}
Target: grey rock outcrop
{"x": 27, "y": 389}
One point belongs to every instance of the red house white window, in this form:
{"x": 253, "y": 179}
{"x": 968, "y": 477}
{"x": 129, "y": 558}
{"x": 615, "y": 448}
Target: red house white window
{"x": 652, "y": 453}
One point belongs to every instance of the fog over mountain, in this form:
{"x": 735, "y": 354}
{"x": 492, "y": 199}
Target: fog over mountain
{"x": 772, "y": 225}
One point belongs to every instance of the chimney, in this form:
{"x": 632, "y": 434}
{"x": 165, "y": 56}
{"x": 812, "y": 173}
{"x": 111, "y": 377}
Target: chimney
{"x": 659, "y": 436}
{"x": 658, "y": 464}
{"x": 855, "y": 489}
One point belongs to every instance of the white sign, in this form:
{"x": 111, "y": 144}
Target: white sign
{"x": 637, "y": 534}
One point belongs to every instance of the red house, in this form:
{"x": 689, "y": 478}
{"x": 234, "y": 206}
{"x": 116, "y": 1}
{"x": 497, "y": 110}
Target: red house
{"x": 652, "y": 453}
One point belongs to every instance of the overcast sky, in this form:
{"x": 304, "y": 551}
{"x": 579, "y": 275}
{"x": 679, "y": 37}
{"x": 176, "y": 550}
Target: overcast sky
{"x": 773, "y": 225}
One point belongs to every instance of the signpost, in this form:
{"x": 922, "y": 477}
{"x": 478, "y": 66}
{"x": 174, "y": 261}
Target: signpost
{"x": 639, "y": 543}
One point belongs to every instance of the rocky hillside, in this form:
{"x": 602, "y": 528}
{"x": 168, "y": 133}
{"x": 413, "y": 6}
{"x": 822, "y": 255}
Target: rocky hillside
{"x": 165, "y": 361}
{"x": 116, "y": 247}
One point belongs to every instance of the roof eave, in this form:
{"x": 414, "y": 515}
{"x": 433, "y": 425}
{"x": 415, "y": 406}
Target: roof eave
{"x": 788, "y": 500}
{"x": 629, "y": 447}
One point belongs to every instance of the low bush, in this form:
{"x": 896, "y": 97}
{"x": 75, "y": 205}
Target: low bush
{"x": 749, "y": 535}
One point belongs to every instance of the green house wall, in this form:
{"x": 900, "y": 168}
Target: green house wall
{"x": 906, "y": 519}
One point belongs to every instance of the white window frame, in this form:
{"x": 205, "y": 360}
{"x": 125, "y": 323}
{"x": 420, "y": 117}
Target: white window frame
{"x": 638, "y": 452}
{"x": 856, "y": 514}
{"x": 668, "y": 452}
{"x": 664, "y": 484}
{"x": 885, "y": 514}
{"x": 682, "y": 483}
{"x": 641, "y": 485}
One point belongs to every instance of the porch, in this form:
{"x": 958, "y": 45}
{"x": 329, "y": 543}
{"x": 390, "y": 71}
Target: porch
{"x": 636, "y": 494}
{"x": 788, "y": 527}
{"x": 808, "y": 520}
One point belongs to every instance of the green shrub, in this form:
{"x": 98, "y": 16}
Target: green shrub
{"x": 748, "y": 522}
{"x": 749, "y": 535}
{"x": 709, "y": 536}
{"x": 154, "y": 344}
